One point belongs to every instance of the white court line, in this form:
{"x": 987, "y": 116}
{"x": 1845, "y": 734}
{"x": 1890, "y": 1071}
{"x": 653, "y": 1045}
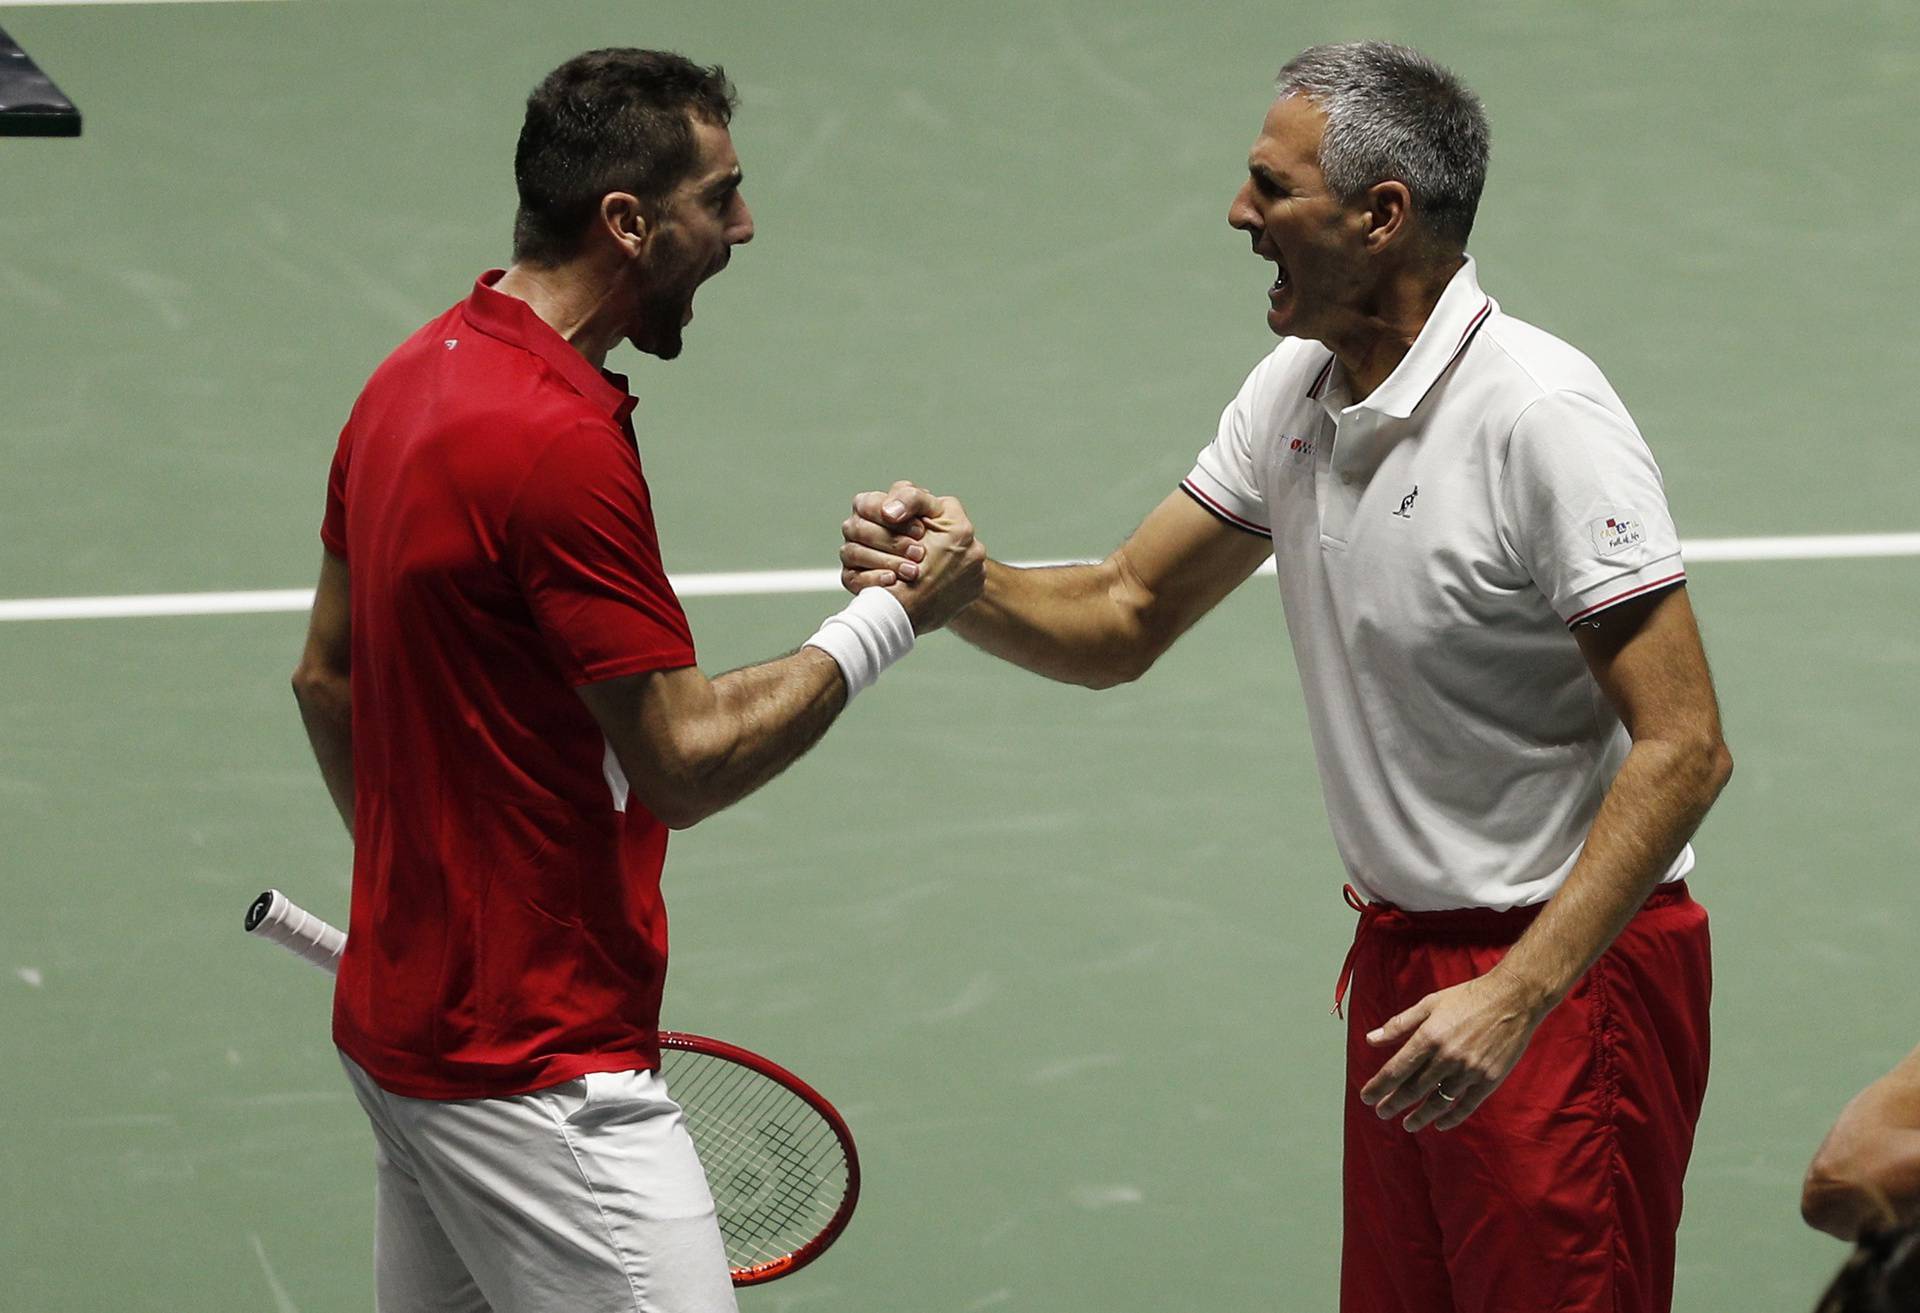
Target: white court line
{"x": 15, "y": 4}
{"x": 766, "y": 583}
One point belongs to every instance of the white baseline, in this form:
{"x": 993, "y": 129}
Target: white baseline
{"x": 12, "y": 4}
{"x": 766, "y": 583}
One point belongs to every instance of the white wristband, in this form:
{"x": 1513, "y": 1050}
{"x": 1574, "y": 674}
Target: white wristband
{"x": 869, "y": 634}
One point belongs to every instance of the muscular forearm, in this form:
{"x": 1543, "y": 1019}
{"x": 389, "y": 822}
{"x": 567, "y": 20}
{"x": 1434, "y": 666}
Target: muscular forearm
{"x": 759, "y": 720}
{"x": 1657, "y": 800}
{"x": 327, "y": 711}
{"x": 1079, "y": 624}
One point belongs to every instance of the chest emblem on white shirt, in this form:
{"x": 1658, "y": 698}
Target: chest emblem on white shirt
{"x": 1406, "y": 504}
{"x": 1300, "y": 447}
{"x": 1616, "y": 533}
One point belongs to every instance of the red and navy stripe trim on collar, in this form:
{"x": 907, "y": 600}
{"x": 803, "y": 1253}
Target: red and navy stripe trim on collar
{"x": 1320, "y": 379}
{"x": 1467, "y": 335}
{"x": 1221, "y": 513}
{"x": 1638, "y": 591}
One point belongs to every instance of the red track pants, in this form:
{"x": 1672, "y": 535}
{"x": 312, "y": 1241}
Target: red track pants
{"x": 1562, "y": 1193}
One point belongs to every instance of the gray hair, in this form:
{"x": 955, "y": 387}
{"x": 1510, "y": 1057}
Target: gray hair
{"x": 1393, "y": 113}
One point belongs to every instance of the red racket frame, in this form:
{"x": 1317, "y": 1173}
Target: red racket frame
{"x": 799, "y": 1258}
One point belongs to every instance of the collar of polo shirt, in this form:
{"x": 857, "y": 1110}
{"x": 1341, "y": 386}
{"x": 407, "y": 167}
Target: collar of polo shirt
{"x": 1456, "y": 317}
{"x": 514, "y": 322}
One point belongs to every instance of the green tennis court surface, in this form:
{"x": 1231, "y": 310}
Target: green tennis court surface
{"x": 1064, "y": 960}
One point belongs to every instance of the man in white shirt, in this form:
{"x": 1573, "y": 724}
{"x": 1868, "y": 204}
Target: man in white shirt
{"x": 1511, "y": 710}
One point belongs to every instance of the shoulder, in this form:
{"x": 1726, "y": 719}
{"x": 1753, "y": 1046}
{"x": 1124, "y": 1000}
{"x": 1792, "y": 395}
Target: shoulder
{"x": 1526, "y": 367}
{"x": 405, "y": 362}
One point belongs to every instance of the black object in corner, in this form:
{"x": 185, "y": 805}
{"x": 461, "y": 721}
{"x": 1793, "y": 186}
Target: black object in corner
{"x": 30, "y": 105}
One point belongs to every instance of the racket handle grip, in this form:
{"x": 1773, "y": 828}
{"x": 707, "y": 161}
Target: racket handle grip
{"x": 275, "y": 916}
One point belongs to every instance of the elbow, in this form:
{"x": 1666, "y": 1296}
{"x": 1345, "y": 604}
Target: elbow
{"x": 1113, "y": 674}
{"x": 677, "y": 789}
{"x": 315, "y": 685}
{"x": 675, "y": 799}
{"x": 1865, "y": 1178}
{"x": 1128, "y": 659}
{"x": 1836, "y": 1200}
{"x": 1719, "y": 765}
{"x": 1706, "y": 764}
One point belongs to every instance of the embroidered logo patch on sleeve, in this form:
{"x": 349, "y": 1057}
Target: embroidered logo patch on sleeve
{"x": 1616, "y": 533}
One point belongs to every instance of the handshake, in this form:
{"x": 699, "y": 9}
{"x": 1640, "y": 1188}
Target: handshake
{"x": 918, "y": 547}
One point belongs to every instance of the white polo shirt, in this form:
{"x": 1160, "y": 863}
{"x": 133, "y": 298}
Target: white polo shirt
{"x": 1434, "y": 544}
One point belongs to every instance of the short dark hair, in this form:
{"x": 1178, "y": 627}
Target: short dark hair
{"x": 1393, "y": 113}
{"x": 607, "y": 120}
{"x": 1881, "y": 1276}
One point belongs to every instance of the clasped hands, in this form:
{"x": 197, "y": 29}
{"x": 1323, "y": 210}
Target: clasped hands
{"x": 918, "y": 547}
{"x": 1450, "y": 1051}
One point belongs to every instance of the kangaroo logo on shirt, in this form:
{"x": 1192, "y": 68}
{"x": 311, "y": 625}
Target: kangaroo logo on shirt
{"x": 1406, "y": 504}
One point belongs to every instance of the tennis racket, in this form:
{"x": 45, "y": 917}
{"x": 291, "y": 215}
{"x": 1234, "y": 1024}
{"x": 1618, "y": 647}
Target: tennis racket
{"x": 778, "y": 1157}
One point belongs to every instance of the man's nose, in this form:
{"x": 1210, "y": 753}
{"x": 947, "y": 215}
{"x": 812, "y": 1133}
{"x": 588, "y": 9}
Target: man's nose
{"x": 1240, "y": 213}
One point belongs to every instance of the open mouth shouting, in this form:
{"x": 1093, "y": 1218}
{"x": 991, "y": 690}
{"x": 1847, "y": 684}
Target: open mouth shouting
{"x": 1280, "y": 293}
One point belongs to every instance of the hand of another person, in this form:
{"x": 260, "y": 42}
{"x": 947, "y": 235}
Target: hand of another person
{"x": 950, "y": 574}
{"x": 884, "y": 537}
{"x": 1465, "y": 1040}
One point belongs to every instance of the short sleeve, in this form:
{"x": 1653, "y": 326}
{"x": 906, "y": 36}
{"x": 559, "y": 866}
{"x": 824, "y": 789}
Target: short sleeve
{"x": 333, "y": 523}
{"x": 580, "y": 540}
{"x": 1223, "y": 479}
{"x": 1584, "y": 507}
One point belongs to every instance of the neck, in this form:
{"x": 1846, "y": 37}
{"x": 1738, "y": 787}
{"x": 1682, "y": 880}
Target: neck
{"x": 581, "y": 303}
{"x": 1376, "y": 335}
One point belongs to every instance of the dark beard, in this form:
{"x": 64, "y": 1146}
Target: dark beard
{"x": 660, "y": 317}
{"x": 663, "y": 310}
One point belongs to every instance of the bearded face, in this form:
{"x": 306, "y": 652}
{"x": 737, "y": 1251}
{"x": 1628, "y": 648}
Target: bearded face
{"x": 699, "y": 224}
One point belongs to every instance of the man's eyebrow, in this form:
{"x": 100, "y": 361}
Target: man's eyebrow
{"x": 1266, "y": 176}
{"x": 732, "y": 178}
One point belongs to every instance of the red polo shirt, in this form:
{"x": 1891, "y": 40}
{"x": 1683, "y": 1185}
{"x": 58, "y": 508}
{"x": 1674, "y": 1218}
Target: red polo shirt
{"x": 507, "y": 931}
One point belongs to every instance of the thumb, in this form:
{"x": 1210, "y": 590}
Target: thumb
{"x": 906, "y": 501}
{"x": 1398, "y": 1028}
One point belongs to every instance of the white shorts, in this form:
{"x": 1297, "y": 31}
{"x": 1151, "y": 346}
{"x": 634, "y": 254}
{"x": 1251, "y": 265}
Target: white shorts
{"x": 586, "y": 1197}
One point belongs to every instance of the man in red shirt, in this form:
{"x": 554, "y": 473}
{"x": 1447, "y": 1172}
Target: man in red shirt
{"x": 499, "y": 685}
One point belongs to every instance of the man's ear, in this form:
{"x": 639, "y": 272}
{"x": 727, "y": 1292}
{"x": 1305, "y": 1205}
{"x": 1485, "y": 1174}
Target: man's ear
{"x": 1389, "y": 209}
{"x": 624, "y": 221}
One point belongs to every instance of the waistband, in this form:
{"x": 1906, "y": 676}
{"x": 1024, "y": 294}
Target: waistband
{"x": 1456, "y": 924}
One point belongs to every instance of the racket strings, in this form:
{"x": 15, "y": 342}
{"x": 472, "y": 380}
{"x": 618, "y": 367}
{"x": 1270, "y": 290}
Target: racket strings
{"x": 771, "y": 1177}
{"x": 777, "y": 1170}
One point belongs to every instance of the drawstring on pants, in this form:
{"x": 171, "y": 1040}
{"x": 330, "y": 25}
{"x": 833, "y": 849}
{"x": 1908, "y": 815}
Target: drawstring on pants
{"x": 1372, "y": 915}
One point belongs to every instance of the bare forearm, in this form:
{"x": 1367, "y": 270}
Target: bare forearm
{"x": 326, "y": 710}
{"x": 762, "y": 719}
{"x": 1656, "y": 802}
{"x": 1073, "y": 623}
